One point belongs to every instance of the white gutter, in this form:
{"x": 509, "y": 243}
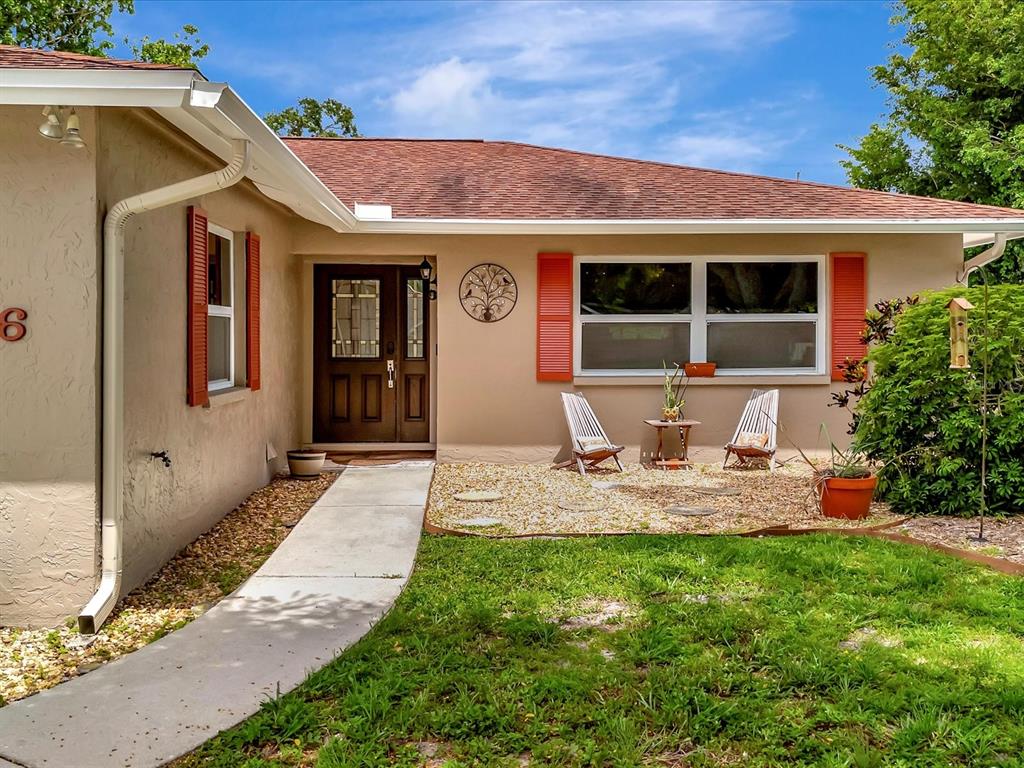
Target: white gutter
{"x": 985, "y": 257}
{"x": 112, "y": 468}
{"x": 679, "y": 226}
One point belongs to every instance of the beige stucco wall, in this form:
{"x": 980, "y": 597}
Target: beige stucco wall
{"x": 218, "y": 454}
{"x": 48, "y": 380}
{"x": 489, "y": 404}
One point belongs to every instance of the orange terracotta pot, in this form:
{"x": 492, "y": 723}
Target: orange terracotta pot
{"x": 694, "y": 370}
{"x": 847, "y": 498}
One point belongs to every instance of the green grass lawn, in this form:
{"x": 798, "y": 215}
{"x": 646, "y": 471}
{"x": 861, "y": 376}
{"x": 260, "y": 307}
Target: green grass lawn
{"x": 827, "y": 651}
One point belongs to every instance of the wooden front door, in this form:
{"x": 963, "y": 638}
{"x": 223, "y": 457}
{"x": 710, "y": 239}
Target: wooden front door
{"x": 371, "y": 364}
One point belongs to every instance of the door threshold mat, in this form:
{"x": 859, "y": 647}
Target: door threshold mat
{"x": 377, "y": 458}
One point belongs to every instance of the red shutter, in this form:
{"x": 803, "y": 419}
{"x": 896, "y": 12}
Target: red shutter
{"x": 198, "y": 292}
{"x": 849, "y": 303}
{"x": 252, "y": 310}
{"x": 554, "y": 317}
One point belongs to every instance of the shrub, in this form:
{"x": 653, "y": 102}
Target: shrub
{"x": 924, "y": 420}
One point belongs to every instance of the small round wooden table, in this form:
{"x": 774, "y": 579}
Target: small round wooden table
{"x": 684, "y": 426}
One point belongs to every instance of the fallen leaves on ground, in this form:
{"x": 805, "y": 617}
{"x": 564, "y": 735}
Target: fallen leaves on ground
{"x": 202, "y": 573}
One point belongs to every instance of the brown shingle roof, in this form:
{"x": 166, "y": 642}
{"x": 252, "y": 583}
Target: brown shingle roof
{"x": 423, "y": 178}
{"x": 13, "y": 57}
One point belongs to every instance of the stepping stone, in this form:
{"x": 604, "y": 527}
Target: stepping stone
{"x": 478, "y": 496}
{"x": 721, "y": 491}
{"x": 605, "y": 485}
{"x": 690, "y": 511}
{"x": 580, "y": 506}
{"x": 479, "y": 522}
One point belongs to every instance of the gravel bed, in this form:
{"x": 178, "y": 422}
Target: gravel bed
{"x": 1004, "y": 538}
{"x": 186, "y": 587}
{"x": 539, "y": 499}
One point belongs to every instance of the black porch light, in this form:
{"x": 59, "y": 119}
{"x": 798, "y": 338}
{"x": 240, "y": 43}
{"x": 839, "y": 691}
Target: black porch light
{"x": 429, "y": 281}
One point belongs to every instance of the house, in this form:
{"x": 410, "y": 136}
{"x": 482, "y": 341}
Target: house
{"x": 184, "y": 296}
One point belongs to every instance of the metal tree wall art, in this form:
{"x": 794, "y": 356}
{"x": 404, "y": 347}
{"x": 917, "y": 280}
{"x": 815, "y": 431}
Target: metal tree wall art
{"x": 488, "y": 292}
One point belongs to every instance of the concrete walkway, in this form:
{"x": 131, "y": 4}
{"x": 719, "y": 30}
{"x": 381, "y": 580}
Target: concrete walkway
{"x": 335, "y": 575}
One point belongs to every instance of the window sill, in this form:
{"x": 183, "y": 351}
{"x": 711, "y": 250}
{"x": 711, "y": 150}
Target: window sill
{"x": 222, "y": 397}
{"x": 719, "y": 380}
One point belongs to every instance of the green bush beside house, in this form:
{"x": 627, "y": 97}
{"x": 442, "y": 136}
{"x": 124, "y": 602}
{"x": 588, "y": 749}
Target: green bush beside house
{"x": 923, "y": 420}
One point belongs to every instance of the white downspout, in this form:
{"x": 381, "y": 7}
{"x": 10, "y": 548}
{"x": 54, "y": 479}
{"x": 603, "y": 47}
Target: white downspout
{"x": 985, "y": 257}
{"x": 112, "y": 462}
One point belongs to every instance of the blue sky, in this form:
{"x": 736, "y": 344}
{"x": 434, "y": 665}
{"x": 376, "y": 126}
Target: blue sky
{"x": 763, "y": 87}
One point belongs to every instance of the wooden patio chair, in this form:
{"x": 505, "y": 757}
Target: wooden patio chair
{"x": 755, "y": 436}
{"x": 590, "y": 445}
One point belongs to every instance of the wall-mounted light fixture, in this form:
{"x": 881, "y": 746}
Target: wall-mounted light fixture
{"x": 429, "y": 281}
{"x": 57, "y": 127}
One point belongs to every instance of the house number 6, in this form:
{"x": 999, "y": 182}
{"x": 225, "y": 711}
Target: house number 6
{"x": 12, "y": 324}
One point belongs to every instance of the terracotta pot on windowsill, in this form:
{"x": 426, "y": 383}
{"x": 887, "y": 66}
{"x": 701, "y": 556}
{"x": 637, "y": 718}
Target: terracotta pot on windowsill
{"x": 306, "y": 465}
{"x": 700, "y": 370}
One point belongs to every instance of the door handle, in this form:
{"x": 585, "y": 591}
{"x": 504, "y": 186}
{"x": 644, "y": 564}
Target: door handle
{"x": 391, "y": 374}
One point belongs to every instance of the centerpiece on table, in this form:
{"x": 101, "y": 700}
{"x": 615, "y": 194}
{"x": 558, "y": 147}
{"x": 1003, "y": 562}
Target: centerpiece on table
{"x": 675, "y": 384}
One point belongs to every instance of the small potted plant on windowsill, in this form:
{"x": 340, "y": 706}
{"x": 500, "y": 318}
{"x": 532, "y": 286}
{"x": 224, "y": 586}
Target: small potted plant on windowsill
{"x": 675, "y": 388}
{"x": 306, "y": 464}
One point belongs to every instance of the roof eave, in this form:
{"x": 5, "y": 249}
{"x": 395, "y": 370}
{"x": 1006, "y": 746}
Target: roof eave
{"x": 210, "y": 113}
{"x": 683, "y": 226}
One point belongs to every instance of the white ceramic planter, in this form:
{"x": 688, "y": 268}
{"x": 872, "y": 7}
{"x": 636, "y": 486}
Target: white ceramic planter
{"x": 306, "y": 465}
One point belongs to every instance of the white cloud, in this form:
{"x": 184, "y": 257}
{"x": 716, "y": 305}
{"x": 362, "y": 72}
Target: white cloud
{"x": 451, "y": 98}
{"x": 718, "y": 151}
{"x": 587, "y": 75}
{"x": 749, "y": 138}
{"x": 598, "y": 76}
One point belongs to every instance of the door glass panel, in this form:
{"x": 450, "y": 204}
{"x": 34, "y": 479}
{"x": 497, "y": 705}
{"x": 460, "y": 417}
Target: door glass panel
{"x": 355, "y": 311}
{"x": 415, "y": 317}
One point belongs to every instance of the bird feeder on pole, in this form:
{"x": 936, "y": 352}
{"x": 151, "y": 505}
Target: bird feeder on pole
{"x": 958, "y": 352}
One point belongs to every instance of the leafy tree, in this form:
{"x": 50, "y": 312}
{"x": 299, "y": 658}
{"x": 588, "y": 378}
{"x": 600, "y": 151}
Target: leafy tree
{"x": 314, "y": 118}
{"x": 185, "y": 50}
{"x": 78, "y": 26}
{"x": 955, "y": 127}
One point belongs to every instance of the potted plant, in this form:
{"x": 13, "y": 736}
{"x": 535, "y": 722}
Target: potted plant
{"x": 846, "y": 485}
{"x": 675, "y": 388}
{"x": 306, "y": 464}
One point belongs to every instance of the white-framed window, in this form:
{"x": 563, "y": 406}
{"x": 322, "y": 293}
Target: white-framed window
{"x": 750, "y": 314}
{"x": 220, "y": 308}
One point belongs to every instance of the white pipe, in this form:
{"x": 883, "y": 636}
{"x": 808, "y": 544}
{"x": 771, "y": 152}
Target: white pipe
{"x": 985, "y": 257}
{"x": 112, "y": 467}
